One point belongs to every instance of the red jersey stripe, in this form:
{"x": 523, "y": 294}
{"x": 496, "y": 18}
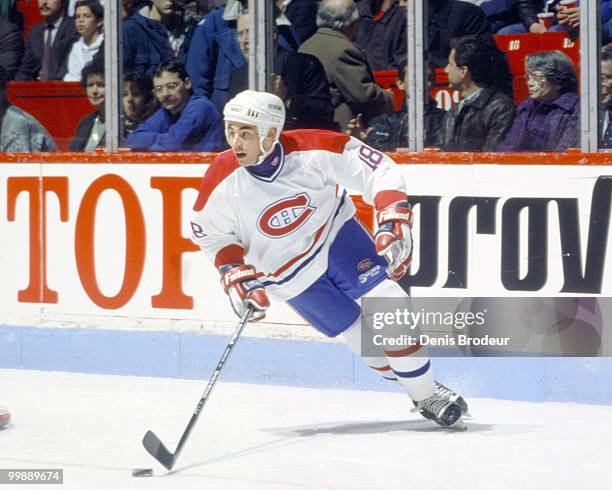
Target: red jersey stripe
{"x": 313, "y": 139}
{"x": 220, "y": 168}
{"x": 405, "y": 352}
{"x": 287, "y": 265}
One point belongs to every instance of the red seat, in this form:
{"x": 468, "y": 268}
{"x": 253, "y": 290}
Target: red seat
{"x": 516, "y": 47}
{"x": 387, "y": 79}
{"x": 58, "y": 106}
{"x": 551, "y": 41}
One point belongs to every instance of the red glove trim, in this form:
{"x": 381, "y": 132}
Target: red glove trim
{"x": 386, "y": 198}
{"x": 231, "y": 254}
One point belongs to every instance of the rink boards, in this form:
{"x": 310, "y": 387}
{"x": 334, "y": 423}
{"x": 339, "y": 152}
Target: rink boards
{"x": 103, "y": 246}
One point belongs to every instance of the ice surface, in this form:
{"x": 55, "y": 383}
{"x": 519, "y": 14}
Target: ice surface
{"x": 267, "y": 437}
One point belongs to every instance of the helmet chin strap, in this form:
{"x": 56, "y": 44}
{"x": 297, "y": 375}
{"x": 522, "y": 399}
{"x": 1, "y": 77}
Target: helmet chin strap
{"x": 263, "y": 133}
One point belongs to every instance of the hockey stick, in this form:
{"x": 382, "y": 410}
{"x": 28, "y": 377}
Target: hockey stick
{"x": 153, "y": 444}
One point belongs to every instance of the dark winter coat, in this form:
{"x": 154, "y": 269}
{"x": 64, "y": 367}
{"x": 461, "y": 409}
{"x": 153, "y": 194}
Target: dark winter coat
{"x": 352, "y": 86}
{"x": 390, "y": 131}
{"x": 11, "y": 48}
{"x": 308, "y": 98}
{"x": 214, "y": 55}
{"x": 146, "y": 43}
{"x": 480, "y": 124}
{"x": 545, "y": 127}
{"x": 453, "y": 18}
{"x": 197, "y": 128}
{"x": 384, "y": 40}
{"x": 31, "y": 64}
{"x": 83, "y": 131}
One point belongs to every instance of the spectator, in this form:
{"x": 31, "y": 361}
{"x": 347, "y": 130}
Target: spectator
{"x": 549, "y": 119}
{"x": 388, "y": 132}
{"x": 19, "y": 131}
{"x": 11, "y": 48}
{"x": 91, "y": 131}
{"x": 185, "y": 122}
{"x": 382, "y": 33}
{"x": 353, "y": 89}
{"x": 305, "y": 91}
{"x": 606, "y": 96}
{"x": 522, "y": 16}
{"x": 49, "y": 44}
{"x": 9, "y": 12}
{"x": 156, "y": 34}
{"x": 569, "y": 19}
{"x": 218, "y": 53}
{"x": 139, "y": 102}
{"x": 89, "y": 20}
{"x": 303, "y": 17}
{"x": 449, "y": 19}
{"x": 239, "y": 78}
{"x": 482, "y": 118}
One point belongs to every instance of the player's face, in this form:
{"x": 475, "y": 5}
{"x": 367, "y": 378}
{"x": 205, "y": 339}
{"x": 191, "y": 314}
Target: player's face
{"x": 244, "y": 141}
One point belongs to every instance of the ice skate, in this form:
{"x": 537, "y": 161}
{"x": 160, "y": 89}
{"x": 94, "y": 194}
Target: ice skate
{"x": 445, "y": 407}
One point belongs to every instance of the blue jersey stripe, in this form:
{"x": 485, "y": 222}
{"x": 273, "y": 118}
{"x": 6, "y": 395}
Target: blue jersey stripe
{"x": 309, "y": 259}
{"x": 413, "y": 374}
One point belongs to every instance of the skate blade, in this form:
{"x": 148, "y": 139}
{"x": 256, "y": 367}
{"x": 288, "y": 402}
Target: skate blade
{"x": 457, "y": 426}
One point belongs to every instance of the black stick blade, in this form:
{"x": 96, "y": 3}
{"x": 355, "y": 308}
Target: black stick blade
{"x": 157, "y": 449}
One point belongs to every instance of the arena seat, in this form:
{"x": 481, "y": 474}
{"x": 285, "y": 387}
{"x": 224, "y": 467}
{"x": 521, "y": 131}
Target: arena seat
{"x": 58, "y": 106}
{"x": 387, "y": 79}
{"x": 516, "y": 47}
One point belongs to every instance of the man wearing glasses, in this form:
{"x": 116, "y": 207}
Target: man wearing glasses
{"x": 185, "y": 122}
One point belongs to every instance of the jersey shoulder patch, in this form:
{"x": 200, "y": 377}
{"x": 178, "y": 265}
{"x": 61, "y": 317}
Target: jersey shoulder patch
{"x": 221, "y": 167}
{"x": 313, "y": 139}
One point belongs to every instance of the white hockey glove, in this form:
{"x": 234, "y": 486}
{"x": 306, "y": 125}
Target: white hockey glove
{"x": 394, "y": 238}
{"x": 243, "y": 288}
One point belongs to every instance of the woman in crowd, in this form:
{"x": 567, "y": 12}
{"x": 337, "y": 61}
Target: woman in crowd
{"x": 138, "y": 100}
{"x": 549, "y": 119}
{"x": 90, "y": 133}
{"x": 89, "y": 20}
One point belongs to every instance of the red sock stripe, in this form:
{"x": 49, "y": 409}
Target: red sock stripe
{"x": 405, "y": 352}
{"x": 382, "y": 369}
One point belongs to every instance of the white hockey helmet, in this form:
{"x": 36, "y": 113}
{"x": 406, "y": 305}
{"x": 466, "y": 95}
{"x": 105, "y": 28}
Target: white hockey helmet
{"x": 260, "y": 109}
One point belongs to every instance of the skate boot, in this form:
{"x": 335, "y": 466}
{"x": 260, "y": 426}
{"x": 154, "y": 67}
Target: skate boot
{"x": 452, "y": 396}
{"x": 445, "y": 407}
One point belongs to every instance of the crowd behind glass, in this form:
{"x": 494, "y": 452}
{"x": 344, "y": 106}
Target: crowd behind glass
{"x": 183, "y": 60}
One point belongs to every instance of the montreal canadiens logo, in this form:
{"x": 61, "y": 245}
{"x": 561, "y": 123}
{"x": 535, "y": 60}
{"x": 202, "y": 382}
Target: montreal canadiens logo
{"x": 365, "y": 265}
{"x": 285, "y": 216}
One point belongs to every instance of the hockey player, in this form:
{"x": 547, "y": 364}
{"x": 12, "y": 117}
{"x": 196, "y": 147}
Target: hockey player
{"x": 273, "y": 217}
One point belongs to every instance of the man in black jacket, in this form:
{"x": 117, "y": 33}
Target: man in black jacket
{"x": 11, "y": 47}
{"x": 382, "y": 33}
{"x": 484, "y": 115}
{"x": 449, "y": 19}
{"x": 49, "y": 44}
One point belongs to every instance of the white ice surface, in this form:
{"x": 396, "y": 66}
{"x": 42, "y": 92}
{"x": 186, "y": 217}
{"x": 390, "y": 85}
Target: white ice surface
{"x": 266, "y": 437}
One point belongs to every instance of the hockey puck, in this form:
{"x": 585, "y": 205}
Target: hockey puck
{"x": 142, "y": 472}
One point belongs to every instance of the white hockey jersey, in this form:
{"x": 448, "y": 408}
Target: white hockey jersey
{"x": 284, "y": 224}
